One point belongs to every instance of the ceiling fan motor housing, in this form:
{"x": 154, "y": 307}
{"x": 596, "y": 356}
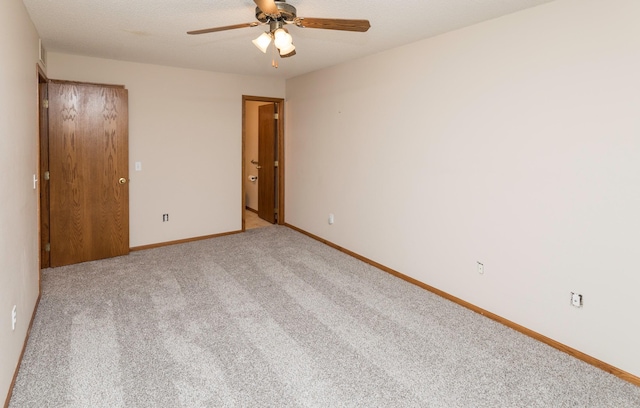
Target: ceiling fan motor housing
{"x": 287, "y": 12}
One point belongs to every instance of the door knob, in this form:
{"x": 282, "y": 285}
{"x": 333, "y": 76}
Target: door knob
{"x": 122, "y": 180}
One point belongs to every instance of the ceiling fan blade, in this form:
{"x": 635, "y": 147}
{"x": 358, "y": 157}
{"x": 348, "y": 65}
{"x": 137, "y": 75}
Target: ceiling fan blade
{"x": 333, "y": 24}
{"x": 215, "y": 29}
{"x": 268, "y": 7}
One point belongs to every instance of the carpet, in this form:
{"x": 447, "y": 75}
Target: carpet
{"x": 273, "y": 318}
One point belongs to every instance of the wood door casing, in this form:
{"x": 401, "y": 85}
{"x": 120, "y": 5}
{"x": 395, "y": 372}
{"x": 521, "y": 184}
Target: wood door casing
{"x": 88, "y": 142}
{"x": 44, "y": 167}
{"x": 267, "y": 148}
{"x": 280, "y": 156}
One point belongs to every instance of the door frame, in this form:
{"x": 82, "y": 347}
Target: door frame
{"x": 280, "y": 137}
{"x": 43, "y": 166}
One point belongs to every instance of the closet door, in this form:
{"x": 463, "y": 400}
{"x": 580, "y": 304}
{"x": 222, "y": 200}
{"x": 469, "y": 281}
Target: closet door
{"x": 88, "y": 167}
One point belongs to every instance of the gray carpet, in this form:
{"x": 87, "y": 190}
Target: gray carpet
{"x": 272, "y": 318}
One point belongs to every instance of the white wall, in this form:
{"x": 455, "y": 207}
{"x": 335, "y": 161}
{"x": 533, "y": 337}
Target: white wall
{"x": 19, "y": 251}
{"x": 515, "y": 142}
{"x": 185, "y": 127}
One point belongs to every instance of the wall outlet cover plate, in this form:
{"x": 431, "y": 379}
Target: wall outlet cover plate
{"x": 576, "y": 299}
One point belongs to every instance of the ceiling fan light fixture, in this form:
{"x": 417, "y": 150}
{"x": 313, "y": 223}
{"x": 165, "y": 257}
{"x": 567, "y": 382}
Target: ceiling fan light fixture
{"x": 284, "y": 52}
{"x": 262, "y": 42}
{"x": 276, "y": 14}
{"x": 282, "y": 39}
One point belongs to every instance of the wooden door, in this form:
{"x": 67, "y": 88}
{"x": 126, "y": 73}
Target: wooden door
{"x": 267, "y": 148}
{"x": 88, "y": 166}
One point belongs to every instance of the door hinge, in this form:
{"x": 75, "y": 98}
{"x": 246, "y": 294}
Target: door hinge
{"x": 47, "y": 247}
{"x": 275, "y": 163}
{"x": 276, "y": 116}
{"x": 45, "y": 103}
{"x": 46, "y": 175}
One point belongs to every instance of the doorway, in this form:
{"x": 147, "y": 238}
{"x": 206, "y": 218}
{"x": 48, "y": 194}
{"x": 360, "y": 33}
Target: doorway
{"x": 262, "y": 161}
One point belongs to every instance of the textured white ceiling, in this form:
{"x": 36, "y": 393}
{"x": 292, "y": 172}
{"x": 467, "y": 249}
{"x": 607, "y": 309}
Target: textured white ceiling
{"x": 154, "y": 31}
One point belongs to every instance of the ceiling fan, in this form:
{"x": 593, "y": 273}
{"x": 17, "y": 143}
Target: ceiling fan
{"x": 279, "y": 13}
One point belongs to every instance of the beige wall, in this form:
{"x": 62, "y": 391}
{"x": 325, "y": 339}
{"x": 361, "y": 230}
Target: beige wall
{"x": 185, "y": 127}
{"x": 251, "y": 153}
{"x": 515, "y": 142}
{"x": 18, "y": 199}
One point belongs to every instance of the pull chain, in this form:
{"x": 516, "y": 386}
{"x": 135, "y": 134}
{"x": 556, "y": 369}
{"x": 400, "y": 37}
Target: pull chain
{"x": 274, "y": 63}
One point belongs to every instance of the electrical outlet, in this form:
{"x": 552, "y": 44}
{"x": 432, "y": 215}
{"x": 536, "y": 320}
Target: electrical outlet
{"x": 576, "y": 299}
{"x": 331, "y": 219}
{"x": 480, "y": 268}
{"x": 14, "y": 317}
{"x": 165, "y": 217}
